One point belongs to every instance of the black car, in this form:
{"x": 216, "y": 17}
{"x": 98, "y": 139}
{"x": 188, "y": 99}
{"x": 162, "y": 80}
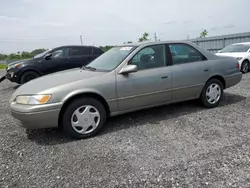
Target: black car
{"x": 50, "y": 61}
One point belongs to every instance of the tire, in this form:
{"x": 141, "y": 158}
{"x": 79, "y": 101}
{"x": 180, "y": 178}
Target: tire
{"x": 27, "y": 76}
{"x": 205, "y": 98}
{"x": 73, "y": 125}
{"x": 245, "y": 66}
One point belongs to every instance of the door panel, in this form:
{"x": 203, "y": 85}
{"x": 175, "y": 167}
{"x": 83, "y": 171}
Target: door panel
{"x": 144, "y": 88}
{"x": 151, "y": 85}
{"x": 189, "y": 70}
{"x": 57, "y": 61}
{"x": 79, "y": 56}
{"x": 189, "y": 79}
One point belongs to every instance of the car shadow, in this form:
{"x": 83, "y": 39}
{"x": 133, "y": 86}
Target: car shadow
{"x": 126, "y": 121}
{"x": 10, "y": 88}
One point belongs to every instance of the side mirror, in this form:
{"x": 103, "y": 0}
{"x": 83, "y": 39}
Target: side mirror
{"x": 47, "y": 56}
{"x": 129, "y": 69}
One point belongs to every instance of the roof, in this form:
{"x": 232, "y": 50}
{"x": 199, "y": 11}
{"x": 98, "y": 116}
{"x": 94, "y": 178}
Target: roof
{"x": 243, "y": 43}
{"x": 147, "y": 43}
{"x": 70, "y": 46}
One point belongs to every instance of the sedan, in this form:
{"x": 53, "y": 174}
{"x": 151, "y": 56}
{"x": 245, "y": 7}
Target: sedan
{"x": 241, "y": 51}
{"x": 126, "y": 78}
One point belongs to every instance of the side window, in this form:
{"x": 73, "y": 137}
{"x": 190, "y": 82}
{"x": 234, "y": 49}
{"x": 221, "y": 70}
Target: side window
{"x": 97, "y": 51}
{"x": 59, "y": 53}
{"x": 79, "y": 51}
{"x": 183, "y": 53}
{"x": 150, "y": 57}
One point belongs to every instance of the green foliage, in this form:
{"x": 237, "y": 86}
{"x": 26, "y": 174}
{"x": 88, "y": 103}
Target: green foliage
{"x": 144, "y": 37}
{"x": 106, "y": 48}
{"x": 21, "y": 55}
{"x": 203, "y": 34}
{"x": 3, "y": 66}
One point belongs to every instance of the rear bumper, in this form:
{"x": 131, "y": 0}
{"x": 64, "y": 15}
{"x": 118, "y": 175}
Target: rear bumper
{"x": 36, "y": 117}
{"x": 233, "y": 80}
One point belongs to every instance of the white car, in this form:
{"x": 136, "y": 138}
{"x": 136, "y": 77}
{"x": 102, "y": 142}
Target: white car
{"x": 241, "y": 51}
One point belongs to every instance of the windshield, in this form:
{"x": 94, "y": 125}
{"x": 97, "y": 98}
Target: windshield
{"x": 111, "y": 59}
{"x": 236, "y": 48}
{"x": 41, "y": 54}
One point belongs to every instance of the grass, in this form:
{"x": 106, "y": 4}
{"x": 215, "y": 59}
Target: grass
{"x": 3, "y": 66}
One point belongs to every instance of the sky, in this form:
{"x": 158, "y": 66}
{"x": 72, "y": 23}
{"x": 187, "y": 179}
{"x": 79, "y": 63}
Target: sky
{"x": 30, "y": 24}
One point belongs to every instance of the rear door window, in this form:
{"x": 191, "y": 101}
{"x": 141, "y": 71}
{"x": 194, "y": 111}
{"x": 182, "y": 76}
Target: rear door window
{"x": 80, "y": 51}
{"x": 97, "y": 51}
{"x": 183, "y": 53}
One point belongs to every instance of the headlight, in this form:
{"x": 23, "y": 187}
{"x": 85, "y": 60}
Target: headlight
{"x": 32, "y": 99}
{"x": 238, "y": 58}
{"x": 14, "y": 66}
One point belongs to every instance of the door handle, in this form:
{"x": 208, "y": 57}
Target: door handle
{"x": 205, "y": 70}
{"x": 164, "y": 77}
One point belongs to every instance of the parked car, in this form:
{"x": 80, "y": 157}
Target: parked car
{"x": 124, "y": 79}
{"x": 241, "y": 51}
{"x": 50, "y": 61}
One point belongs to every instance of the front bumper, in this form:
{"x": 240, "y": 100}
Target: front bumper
{"x": 36, "y": 116}
{"x": 13, "y": 75}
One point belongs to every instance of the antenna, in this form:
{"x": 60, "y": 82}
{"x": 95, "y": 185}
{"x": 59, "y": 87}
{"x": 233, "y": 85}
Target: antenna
{"x": 81, "y": 39}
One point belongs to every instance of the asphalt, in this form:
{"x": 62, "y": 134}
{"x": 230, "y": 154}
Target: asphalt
{"x": 180, "y": 145}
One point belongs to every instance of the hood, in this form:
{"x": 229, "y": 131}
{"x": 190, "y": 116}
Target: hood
{"x": 233, "y": 54}
{"x": 56, "y": 79}
{"x": 19, "y": 61}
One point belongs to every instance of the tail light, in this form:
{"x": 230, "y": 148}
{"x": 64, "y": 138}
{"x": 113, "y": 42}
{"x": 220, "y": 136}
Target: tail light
{"x": 238, "y": 66}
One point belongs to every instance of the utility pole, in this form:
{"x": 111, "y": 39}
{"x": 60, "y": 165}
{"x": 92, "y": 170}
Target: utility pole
{"x": 81, "y": 39}
{"x": 155, "y": 36}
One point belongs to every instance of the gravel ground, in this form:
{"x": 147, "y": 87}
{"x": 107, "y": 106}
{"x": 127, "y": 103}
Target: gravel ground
{"x": 181, "y": 145}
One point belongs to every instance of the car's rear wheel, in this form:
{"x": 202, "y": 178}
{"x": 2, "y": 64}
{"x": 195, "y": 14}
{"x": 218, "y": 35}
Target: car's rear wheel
{"x": 27, "y": 76}
{"x": 245, "y": 66}
{"x": 83, "y": 118}
{"x": 212, "y": 93}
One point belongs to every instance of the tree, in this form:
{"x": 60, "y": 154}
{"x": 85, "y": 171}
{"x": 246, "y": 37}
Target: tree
{"x": 37, "y": 51}
{"x": 144, "y": 37}
{"x": 106, "y": 48}
{"x": 203, "y": 34}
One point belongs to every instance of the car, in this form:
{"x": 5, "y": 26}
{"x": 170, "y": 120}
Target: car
{"x": 241, "y": 51}
{"x": 51, "y": 61}
{"x": 126, "y": 78}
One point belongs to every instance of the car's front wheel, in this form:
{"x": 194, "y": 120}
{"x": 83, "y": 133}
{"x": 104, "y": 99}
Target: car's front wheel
{"x": 83, "y": 118}
{"x": 28, "y": 76}
{"x": 212, "y": 93}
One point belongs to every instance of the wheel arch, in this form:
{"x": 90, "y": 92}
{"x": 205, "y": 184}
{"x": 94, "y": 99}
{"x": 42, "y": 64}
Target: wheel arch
{"x": 27, "y": 70}
{"x": 75, "y": 96}
{"x": 220, "y": 78}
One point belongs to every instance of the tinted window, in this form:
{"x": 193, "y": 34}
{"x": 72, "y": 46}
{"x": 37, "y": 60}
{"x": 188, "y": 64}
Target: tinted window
{"x": 59, "y": 53}
{"x": 78, "y": 51}
{"x": 150, "y": 57}
{"x": 183, "y": 53}
{"x": 97, "y": 51}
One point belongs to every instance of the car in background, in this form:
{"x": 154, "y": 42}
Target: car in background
{"x": 124, "y": 79}
{"x": 51, "y": 61}
{"x": 241, "y": 51}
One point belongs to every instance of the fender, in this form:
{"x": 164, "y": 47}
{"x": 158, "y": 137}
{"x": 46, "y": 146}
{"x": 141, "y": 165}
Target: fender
{"x": 83, "y": 91}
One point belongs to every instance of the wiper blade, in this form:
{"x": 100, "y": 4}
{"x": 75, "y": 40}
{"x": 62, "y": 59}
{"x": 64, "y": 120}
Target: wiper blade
{"x": 89, "y": 68}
